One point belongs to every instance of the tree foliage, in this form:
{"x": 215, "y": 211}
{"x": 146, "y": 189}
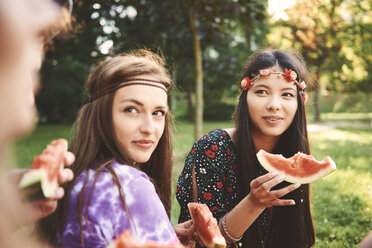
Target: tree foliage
{"x": 228, "y": 32}
{"x": 334, "y": 38}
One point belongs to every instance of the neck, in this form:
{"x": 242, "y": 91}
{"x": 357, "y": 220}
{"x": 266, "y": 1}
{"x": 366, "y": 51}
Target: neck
{"x": 264, "y": 142}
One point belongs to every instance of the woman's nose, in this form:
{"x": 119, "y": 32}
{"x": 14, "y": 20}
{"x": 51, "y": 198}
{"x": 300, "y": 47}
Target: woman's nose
{"x": 147, "y": 125}
{"x": 273, "y": 104}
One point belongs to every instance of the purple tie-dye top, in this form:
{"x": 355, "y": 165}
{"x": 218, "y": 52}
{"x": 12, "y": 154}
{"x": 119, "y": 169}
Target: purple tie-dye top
{"x": 106, "y": 217}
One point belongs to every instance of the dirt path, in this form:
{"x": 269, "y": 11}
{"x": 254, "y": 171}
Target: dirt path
{"x": 320, "y": 127}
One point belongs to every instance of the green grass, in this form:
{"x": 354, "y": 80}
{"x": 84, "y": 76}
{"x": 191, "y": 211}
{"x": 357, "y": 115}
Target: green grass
{"x": 352, "y": 117}
{"x": 34, "y": 143}
{"x": 341, "y": 202}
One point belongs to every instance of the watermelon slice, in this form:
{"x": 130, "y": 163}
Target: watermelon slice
{"x": 206, "y": 225}
{"x": 41, "y": 181}
{"x": 301, "y": 168}
{"x": 126, "y": 240}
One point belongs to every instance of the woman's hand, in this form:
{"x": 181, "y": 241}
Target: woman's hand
{"x": 186, "y": 233}
{"x": 261, "y": 194}
{"x": 25, "y": 213}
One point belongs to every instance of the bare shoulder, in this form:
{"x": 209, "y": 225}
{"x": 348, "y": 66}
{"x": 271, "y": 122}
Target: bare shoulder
{"x": 231, "y": 133}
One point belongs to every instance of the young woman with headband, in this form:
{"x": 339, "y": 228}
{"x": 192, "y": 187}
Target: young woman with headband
{"x": 123, "y": 166}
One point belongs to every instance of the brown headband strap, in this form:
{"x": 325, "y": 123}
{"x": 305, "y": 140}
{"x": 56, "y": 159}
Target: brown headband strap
{"x": 129, "y": 82}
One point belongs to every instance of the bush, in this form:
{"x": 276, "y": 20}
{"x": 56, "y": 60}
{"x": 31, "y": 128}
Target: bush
{"x": 218, "y": 111}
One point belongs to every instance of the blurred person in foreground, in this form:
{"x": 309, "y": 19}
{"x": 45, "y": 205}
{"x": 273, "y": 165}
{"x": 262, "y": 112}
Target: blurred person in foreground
{"x": 366, "y": 242}
{"x": 26, "y": 26}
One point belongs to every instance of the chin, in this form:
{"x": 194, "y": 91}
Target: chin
{"x": 141, "y": 159}
{"x": 25, "y": 126}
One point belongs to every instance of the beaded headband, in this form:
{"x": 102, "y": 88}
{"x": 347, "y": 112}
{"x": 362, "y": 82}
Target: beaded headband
{"x": 290, "y": 75}
{"x": 129, "y": 82}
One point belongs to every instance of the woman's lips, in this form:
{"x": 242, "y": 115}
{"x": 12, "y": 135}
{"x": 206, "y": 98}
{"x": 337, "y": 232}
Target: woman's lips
{"x": 272, "y": 120}
{"x": 144, "y": 144}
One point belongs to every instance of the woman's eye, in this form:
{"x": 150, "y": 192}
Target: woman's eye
{"x": 159, "y": 113}
{"x": 261, "y": 92}
{"x": 288, "y": 95}
{"x": 130, "y": 110}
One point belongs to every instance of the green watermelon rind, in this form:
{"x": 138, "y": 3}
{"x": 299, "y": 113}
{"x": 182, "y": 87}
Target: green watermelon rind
{"x": 303, "y": 180}
{"x": 35, "y": 185}
{"x": 218, "y": 242}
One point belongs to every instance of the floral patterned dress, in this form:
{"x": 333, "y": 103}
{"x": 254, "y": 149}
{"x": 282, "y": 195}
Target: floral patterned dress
{"x": 215, "y": 160}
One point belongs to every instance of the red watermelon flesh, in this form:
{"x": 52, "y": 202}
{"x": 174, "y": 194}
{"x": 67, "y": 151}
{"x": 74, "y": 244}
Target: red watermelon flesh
{"x": 206, "y": 225}
{"x": 126, "y": 240}
{"x": 41, "y": 181}
{"x": 300, "y": 168}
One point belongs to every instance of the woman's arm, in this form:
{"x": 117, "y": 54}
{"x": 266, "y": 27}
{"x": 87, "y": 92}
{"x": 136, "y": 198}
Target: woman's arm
{"x": 241, "y": 217}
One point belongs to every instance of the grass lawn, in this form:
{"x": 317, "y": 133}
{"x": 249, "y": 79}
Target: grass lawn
{"x": 341, "y": 202}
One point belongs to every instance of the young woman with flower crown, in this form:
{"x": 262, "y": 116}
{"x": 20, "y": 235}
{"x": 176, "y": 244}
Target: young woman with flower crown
{"x": 123, "y": 165}
{"x": 254, "y": 207}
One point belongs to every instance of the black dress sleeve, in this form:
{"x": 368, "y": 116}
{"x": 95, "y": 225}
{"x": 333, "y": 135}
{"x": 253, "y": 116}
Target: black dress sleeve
{"x": 211, "y": 158}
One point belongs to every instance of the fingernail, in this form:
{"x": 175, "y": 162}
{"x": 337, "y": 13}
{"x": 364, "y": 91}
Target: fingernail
{"x": 293, "y": 203}
{"x": 275, "y": 173}
{"x": 297, "y": 185}
{"x": 281, "y": 177}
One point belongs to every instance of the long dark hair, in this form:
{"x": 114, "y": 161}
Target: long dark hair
{"x": 94, "y": 135}
{"x": 291, "y": 226}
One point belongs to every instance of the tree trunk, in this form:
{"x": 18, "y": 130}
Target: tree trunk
{"x": 199, "y": 74}
{"x": 316, "y": 97}
{"x": 190, "y": 104}
{"x": 173, "y": 93}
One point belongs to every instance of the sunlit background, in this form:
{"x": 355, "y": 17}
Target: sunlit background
{"x": 334, "y": 37}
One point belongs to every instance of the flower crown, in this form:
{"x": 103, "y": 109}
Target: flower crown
{"x": 288, "y": 74}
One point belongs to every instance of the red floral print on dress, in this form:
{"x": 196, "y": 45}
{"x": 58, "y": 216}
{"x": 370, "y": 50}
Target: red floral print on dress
{"x": 214, "y": 208}
{"x": 219, "y": 185}
{"x": 207, "y": 196}
{"x": 214, "y": 147}
{"x": 210, "y": 154}
{"x": 229, "y": 189}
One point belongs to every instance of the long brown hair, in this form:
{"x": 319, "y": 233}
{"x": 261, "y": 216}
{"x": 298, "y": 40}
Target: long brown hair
{"x": 291, "y": 226}
{"x": 94, "y": 134}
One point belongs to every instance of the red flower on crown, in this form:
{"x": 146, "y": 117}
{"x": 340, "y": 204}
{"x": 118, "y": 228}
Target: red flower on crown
{"x": 245, "y": 83}
{"x": 264, "y": 72}
{"x": 290, "y": 75}
{"x": 305, "y": 97}
{"x": 302, "y": 85}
